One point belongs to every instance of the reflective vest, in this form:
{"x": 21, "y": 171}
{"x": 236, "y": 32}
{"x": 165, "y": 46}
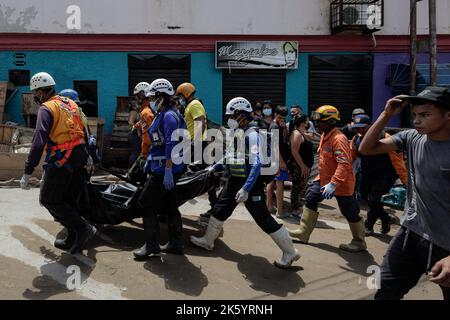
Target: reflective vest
{"x": 67, "y": 130}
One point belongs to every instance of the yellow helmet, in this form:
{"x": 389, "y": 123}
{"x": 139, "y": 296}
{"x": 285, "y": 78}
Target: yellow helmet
{"x": 186, "y": 89}
{"x": 325, "y": 113}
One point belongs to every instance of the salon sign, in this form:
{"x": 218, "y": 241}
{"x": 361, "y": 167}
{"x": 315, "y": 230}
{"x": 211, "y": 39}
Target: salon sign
{"x": 257, "y": 55}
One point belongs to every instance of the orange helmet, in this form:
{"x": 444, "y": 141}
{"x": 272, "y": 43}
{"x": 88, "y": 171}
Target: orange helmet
{"x": 186, "y": 90}
{"x": 325, "y": 113}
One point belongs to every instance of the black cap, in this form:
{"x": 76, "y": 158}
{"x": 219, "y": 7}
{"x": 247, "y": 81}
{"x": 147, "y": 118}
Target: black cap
{"x": 437, "y": 95}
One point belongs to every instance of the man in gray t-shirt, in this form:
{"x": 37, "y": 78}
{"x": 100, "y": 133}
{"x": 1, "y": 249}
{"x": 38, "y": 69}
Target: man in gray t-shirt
{"x": 422, "y": 245}
{"x": 427, "y": 209}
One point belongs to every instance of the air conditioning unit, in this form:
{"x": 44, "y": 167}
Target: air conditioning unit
{"x": 356, "y": 16}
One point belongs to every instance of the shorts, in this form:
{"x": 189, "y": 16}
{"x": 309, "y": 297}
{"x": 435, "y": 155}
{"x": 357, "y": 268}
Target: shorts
{"x": 282, "y": 176}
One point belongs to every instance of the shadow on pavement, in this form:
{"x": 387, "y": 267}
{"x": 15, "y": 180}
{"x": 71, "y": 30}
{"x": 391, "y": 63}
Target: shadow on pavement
{"x": 178, "y": 273}
{"x": 258, "y": 271}
{"x": 357, "y": 262}
{"x": 46, "y": 285}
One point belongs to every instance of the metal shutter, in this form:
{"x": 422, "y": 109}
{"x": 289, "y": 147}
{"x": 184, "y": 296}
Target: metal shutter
{"x": 175, "y": 68}
{"x": 344, "y": 81}
{"x": 254, "y": 85}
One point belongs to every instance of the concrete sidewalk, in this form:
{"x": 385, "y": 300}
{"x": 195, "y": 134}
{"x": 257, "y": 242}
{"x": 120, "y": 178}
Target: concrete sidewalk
{"x": 240, "y": 267}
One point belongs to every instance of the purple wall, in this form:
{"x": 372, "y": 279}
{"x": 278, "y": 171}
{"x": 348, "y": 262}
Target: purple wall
{"x": 381, "y": 91}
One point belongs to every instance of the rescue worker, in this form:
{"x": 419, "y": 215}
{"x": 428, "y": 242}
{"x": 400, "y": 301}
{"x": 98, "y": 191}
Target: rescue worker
{"x": 60, "y": 130}
{"x": 245, "y": 184}
{"x": 160, "y": 192}
{"x": 141, "y": 91}
{"x": 378, "y": 173}
{"x": 335, "y": 178}
{"x": 347, "y": 130}
{"x": 196, "y": 122}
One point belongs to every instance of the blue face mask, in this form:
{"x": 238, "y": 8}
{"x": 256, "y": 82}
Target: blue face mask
{"x": 182, "y": 102}
{"x": 153, "y": 105}
{"x": 267, "y": 112}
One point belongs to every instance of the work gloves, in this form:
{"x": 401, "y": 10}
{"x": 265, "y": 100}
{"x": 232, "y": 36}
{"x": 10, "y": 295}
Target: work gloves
{"x": 328, "y": 190}
{"x": 241, "y": 196}
{"x": 168, "y": 179}
{"x": 24, "y": 182}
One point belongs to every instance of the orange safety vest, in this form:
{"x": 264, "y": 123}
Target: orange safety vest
{"x": 67, "y": 129}
{"x": 335, "y": 163}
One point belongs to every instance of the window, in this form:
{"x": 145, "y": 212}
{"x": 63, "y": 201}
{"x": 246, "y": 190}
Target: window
{"x": 87, "y": 90}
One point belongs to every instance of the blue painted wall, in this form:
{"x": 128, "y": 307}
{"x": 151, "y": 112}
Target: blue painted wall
{"x": 109, "y": 69}
{"x": 297, "y": 84}
{"x": 208, "y": 82}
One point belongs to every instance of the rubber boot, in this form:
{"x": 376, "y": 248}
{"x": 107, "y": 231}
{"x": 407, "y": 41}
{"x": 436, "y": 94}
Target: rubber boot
{"x": 175, "y": 244}
{"x": 307, "y": 224}
{"x": 82, "y": 238}
{"x": 67, "y": 242}
{"x": 212, "y": 233}
{"x": 284, "y": 242}
{"x": 358, "y": 243}
{"x": 151, "y": 246}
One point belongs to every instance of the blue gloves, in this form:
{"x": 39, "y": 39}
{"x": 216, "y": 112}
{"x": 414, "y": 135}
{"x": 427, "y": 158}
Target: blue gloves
{"x": 328, "y": 191}
{"x": 168, "y": 179}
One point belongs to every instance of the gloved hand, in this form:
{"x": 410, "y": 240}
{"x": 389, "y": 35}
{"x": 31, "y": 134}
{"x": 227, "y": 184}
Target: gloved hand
{"x": 168, "y": 179}
{"x": 25, "y": 181}
{"x": 328, "y": 190}
{"x": 241, "y": 196}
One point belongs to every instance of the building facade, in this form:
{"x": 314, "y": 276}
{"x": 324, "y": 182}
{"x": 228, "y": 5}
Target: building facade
{"x": 104, "y": 48}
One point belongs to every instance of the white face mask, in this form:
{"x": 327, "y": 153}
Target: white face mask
{"x": 267, "y": 112}
{"x": 232, "y": 124}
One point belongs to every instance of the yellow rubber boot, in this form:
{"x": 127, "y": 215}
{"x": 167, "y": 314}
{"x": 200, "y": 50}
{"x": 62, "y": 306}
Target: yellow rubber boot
{"x": 358, "y": 243}
{"x": 307, "y": 224}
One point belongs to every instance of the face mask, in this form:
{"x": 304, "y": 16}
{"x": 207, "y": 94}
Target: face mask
{"x": 153, "y": 105}
{"x": 182, "y": 102}
{"x": 232, "y": 124}
{"x": 267, "y": 112}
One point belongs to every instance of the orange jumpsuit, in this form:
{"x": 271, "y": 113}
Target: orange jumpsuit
{"x": 144, "y": 124}
{"x": 335, "y": 163}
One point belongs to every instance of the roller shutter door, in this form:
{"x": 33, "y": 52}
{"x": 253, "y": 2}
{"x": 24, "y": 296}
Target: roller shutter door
{"x": 254, "y": 85}
{"x": 344, "y": 81}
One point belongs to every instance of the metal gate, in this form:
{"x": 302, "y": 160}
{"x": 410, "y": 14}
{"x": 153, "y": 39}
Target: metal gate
{"x": 254, "y": 85}
{"x": 344, "y": 81}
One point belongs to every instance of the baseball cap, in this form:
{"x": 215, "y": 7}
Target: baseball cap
{"x": 438, "y": 95}
{"x": 361, "y": 121}
{"x": 358, "y": 111}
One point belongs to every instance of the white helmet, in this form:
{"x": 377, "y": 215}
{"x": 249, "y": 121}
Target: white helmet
{"x": 238, "y": 104}
{"x": 41, "y": 80}
{"x": 161, "y": 86}
{"x": 142, "y": 86}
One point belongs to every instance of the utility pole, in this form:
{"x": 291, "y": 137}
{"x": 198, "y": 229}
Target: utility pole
{"x": 413, "y": 46}
{"x": 433, "y": 42}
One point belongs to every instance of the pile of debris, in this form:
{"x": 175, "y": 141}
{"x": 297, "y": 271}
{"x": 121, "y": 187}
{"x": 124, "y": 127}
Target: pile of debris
{"x": 15, "y": 145}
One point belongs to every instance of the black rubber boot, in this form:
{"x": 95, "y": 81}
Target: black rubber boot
{"x": 175, "y": 244}
{"x": 386, "y": 225}
{"x": 67, "y": 242}
{"x": 82, "y": 238}
{"x": 151, "y": 246}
